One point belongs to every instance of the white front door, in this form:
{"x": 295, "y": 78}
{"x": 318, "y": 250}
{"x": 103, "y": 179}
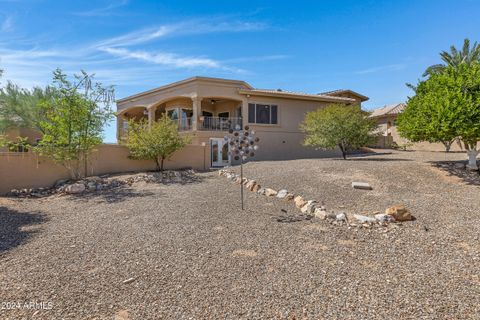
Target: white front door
{"x": 219, "y": 156}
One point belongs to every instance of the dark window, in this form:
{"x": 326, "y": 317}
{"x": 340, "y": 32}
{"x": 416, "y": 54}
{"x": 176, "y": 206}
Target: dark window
{"x": 274, "y": 114}
{"x": 251, "y": 113}
{"x": 262, "y": 113}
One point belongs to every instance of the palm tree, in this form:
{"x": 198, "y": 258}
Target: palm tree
{"x": 454, "y": 58}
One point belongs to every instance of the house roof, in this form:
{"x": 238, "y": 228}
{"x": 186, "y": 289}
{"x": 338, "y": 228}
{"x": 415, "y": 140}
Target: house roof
{"x": 188, "y": 80}
{"x": 245, "y": 88}
{"x": 392, "y": 109}
{"x": 296, "y": 95}
{"x": 339, "y": 92}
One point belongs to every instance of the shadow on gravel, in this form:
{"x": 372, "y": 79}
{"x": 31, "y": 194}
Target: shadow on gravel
{"x": 14, "y": 227}
{"x": 376, "y": 159}
{"x": 458, "y": 169}
{"x": 290, "y": 219}
{"x": 111, "y": 196}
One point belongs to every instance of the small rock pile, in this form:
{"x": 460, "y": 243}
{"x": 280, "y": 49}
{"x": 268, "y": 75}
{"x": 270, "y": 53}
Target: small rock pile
{"x": 103, "y": 183}
{"x": 396, "y": 213}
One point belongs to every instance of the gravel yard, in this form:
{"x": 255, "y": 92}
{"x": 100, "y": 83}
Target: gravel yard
{"x": 187, "y": 251}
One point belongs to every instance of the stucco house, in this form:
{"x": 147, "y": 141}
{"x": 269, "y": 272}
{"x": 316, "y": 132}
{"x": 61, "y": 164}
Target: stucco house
{"x": 206, "y": 108}
{"x": 386, "y": 118}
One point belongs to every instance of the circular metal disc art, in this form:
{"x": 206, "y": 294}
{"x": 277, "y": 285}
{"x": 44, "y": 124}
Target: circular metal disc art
{"x": 243, "y": 144}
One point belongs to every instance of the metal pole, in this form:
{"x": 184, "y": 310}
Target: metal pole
{"x": 241, "y": 181}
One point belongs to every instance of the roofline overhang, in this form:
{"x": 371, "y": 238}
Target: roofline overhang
{"x": 354, "y": 93}
{"x": 287, "y": 95}
{"x": 181, "y": 82}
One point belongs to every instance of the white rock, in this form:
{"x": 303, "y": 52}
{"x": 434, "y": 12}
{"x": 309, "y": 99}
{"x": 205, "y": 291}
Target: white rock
{"x": 75, "y": 188}
{"x": 384, "y": 217}
{"x": 364, "y": 219}
{"x": 261, "y": 191}
{"x": 361, "y": 185}
{"x": 282, "y": 193}
{"x": 341, "y": 217}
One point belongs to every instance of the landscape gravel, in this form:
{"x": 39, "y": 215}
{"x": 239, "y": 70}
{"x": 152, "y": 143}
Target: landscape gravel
{"x": 187, "y": 250}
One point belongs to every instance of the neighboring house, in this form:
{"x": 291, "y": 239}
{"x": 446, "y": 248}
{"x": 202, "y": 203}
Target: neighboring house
{"x": 207, "y": 108}
{"x": 386, "y": 118}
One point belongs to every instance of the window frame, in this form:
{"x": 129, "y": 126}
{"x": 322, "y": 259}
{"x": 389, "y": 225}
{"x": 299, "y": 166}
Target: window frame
{"x": 255, "y": 104}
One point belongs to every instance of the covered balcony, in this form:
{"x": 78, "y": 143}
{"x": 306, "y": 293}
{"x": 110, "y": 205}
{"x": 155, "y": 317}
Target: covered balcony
{"x": 190, "y": 113}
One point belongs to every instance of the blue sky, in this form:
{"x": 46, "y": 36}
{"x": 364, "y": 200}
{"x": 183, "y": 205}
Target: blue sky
{"x": 373, "y": 47}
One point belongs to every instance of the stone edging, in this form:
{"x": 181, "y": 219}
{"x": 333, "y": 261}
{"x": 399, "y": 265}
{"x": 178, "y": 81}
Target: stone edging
{"x": 396, "y": 213}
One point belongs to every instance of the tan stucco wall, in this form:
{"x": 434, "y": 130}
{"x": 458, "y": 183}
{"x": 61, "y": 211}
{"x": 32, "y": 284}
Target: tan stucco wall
{"x": 382, "y": 142}
{"x": 281, "y": 141}
{"x": 284, "y": 140}
{"x": 27, "y": 170}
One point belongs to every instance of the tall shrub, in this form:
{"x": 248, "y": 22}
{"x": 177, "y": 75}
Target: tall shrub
{"x": 73, "y": 120}
{"x": 342, "y": 126}
{"x": 156, "y": 142}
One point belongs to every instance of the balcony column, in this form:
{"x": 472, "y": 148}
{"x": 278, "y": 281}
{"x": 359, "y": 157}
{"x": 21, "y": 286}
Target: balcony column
{"x": 120, "y": 132}
{"x": 151, "y": 116}
{"x": 244, "y": 112}
{"x": 196, "y": 106}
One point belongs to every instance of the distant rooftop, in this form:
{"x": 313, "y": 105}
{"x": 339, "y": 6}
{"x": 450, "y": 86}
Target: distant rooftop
{"x": 391, "y": 109}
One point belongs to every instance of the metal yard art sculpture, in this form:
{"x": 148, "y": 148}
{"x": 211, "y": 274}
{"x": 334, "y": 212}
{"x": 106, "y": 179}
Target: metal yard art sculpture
{"x": 242, "y": 145}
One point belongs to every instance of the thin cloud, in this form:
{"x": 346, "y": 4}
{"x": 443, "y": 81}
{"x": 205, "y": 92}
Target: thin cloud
{"x": 179, "y": 29}
{"x": 7, "y": 24}
{"x": 390, "y": 67}
{"x": 104, "y": 11}
{"x": 167, "y": 59}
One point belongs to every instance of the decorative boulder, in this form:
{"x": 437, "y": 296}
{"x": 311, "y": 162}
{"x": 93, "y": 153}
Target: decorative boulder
{"x": 270, "y": 192}
{"x": 250, "y": 184}
{"x": 75, "y": 188}
{"x": 282, "y": 193}
{"x": 299, "y": 201}
{"x": 238, "y": 180}
{"x": 364, "y": 219}
{"x": 399, "y": 213}
{"x": 320, "y": 213}
{"x": 361, "y": 185}
{"x": 289, "y": 197}
{"x": 255, "y": 188}
{"x": 341, "y": 217}
{"x": 309, "y": 207}
{"x": 261, "y": 191}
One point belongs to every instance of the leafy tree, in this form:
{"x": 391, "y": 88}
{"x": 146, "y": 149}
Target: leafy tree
{"x": 427, "y": 116}
{"x": 449, "y": 103}
{"x": 343, "y": 126}
{"x": 20, "y": 107}
{"x": 156, "y": 142}
{"x": 455, "y": 57}
{"x": 73, "y": 120}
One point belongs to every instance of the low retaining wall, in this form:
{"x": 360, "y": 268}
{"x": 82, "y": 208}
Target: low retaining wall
{"x": 28, "y": 170}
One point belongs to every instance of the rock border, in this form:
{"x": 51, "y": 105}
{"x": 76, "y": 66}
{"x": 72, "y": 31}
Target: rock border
{"x": 393, "y": 214}
{"x": 103, "y": 183}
